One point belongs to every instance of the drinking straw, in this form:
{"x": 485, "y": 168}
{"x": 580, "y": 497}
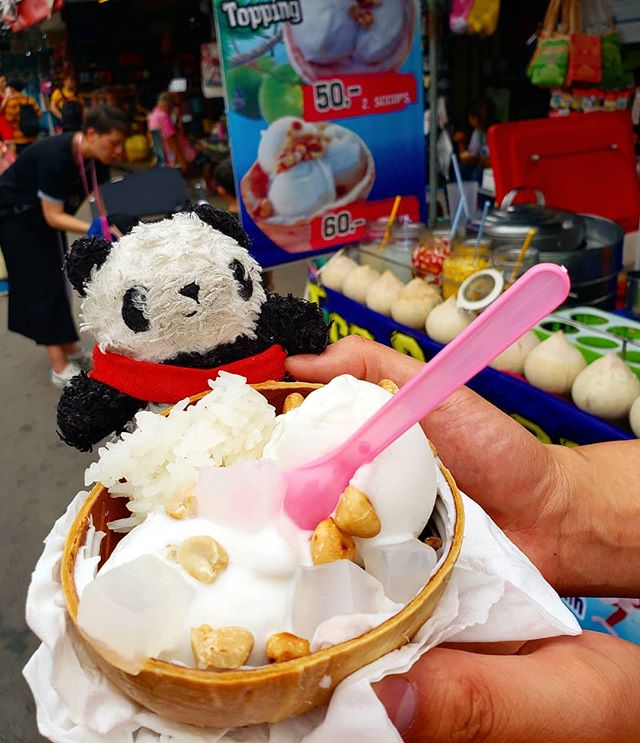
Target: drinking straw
{"x": 391, "y": 220}
{"x": 525, "y": 246}
{"x": 483, "y": 219}
{"x": 463, "y": 195}
{"x": 456, "y": 220}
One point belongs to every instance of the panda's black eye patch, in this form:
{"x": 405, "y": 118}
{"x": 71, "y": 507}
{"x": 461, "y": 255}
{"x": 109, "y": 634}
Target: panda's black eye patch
{"x": 133, "y": 304}
{"x": 245, "y": 284}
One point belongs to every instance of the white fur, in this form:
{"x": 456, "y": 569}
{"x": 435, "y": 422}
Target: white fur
{"x": 163, "y": 257}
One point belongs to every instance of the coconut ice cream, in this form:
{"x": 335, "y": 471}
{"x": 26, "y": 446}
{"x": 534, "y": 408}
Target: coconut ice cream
{"x": 308, "y": 167}
{"x": 400, "y": 482}
{"x": 224, "y": 579}
{"x": 305, "y": 188}
{"x": 345, "y": 155}
{"x": 350, "y": 35}
{"x": 328, "y": 32}
{"x": 378, "y": 38}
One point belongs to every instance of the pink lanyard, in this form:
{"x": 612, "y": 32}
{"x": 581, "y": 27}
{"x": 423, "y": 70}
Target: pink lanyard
{"x": 97, "y": 194}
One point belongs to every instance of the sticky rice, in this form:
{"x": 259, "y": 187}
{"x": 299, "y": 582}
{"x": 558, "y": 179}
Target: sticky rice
{"x": 159, "y": 461}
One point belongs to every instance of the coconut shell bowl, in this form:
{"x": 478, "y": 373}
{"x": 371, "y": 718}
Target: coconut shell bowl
{"x": 220, "y": 699}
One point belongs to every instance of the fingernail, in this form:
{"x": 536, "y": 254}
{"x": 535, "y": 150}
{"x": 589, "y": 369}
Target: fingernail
{"x": 399, "y": 699}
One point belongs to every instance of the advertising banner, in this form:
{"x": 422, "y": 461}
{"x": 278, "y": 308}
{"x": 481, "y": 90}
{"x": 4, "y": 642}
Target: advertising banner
{"x": 324, "y": 103}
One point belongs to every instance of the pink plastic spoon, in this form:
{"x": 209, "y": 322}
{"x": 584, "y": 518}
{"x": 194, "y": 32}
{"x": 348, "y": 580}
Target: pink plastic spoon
{"x": 313, "y": 489}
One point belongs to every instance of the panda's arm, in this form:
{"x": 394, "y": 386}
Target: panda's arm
{"x": 90, "y": 410}
{"x": 297, "y": 325}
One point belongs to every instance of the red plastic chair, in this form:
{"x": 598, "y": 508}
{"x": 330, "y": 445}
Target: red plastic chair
{"x": 584, "y": 163}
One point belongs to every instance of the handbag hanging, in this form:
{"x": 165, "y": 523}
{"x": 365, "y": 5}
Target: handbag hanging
{"x": 585, "y": 51}
{"x": 458, "y": 16}
{"x": 612, "y": 70}
{"x": 548, "y": 67}
{"x": 483, "y": 17}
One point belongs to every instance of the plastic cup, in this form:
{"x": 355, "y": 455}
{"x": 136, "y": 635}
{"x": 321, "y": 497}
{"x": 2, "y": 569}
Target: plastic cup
{"x": 471, "y": 192}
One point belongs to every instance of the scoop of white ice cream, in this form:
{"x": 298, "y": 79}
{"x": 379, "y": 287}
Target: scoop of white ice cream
{"x": 272, "y": 141}
{"x": 345, "y": 155}
{"x": 380, "y": 39}
{"x": 327, "y": 32}
{"x": 253, "y": 591}
{"x": 400, "y": 482}
{"x": 303, "y": 189}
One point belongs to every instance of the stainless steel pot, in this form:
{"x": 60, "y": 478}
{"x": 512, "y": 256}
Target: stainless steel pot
{"x": 556, "y": 229}
{"x": 590, "y": 247}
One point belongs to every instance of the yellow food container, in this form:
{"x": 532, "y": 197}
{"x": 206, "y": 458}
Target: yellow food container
{"x": 463, "y": 261}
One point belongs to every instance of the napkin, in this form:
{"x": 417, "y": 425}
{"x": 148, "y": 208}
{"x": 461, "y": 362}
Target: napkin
{"x": 494, "y": 594}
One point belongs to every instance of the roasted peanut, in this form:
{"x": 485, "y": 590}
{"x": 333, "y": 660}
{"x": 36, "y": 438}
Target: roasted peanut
{"x": 284, "y": 646}
{"x": 388, "y": 385}
{"x": 172, "y": 552}
{"x": 328, "y": 544}
{"x": 292, "y": 401}
{"x": 203, "y": 558}
{"x": 434, "y": 542}
{"x": 181, "y": 507}
{"x": 224, "y": 648}
{"x": 356, "y": 515}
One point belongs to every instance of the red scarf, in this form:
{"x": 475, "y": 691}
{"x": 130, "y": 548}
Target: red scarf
{"x": 169, "y": 384}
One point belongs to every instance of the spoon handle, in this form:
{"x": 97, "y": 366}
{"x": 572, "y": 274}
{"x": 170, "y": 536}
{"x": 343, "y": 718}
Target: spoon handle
{"x": 528, "y": 301}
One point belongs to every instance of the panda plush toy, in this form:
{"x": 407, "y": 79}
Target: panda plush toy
{"x": 170, "y": 305}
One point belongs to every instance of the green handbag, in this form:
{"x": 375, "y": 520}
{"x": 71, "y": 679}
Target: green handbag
{"x": 548, "y": 67}
{"x": 612, "y": 70}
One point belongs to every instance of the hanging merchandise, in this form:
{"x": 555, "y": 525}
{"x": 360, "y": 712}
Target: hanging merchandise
{"x": 548, "y": 67}
{"x": 483, "y": 17}
{"x": 459, "y": 15}
{"x": 18, "y": 15}
{"x": 585, "y": 54}
{"x": 613, "y": 75}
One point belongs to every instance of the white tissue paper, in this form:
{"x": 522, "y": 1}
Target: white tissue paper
{"x": 494, "y": 594}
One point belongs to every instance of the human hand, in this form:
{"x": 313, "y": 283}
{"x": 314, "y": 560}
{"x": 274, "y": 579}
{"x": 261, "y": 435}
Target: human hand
{"x": 96, "y": 229}
{"x": 484, "y": 448}
{"x": 567, "y": 688}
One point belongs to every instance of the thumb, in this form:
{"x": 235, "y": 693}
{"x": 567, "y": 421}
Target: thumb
{"x": 354, "y": 355}
{"x": 567, "y": 688}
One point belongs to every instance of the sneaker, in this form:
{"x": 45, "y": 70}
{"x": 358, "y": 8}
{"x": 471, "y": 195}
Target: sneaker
{"x": 62, "y": 379}
{"x": 83, "y": 359}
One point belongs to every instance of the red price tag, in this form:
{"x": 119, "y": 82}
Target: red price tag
{"x": 348, "y": 224}
{"x": 358, "y": 95}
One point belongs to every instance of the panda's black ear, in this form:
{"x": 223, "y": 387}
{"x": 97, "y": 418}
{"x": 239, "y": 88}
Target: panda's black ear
{"x": 85, "y": 254}
{"x": 222, "y": 221}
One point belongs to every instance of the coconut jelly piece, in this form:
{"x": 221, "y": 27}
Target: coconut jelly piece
{"x": 136, "y": 610}
{"x": 324, "y": 591}
{"x": 403, "y": 569}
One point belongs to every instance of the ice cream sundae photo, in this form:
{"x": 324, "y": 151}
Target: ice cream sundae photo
{"x": 350, "y": 36}
{"x": 303, "y": 170}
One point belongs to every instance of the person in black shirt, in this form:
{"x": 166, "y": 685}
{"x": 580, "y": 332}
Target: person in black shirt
{"x": 39, "y": 194}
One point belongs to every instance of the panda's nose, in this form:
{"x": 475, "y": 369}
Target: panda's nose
{"x": 191, "y": 290}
